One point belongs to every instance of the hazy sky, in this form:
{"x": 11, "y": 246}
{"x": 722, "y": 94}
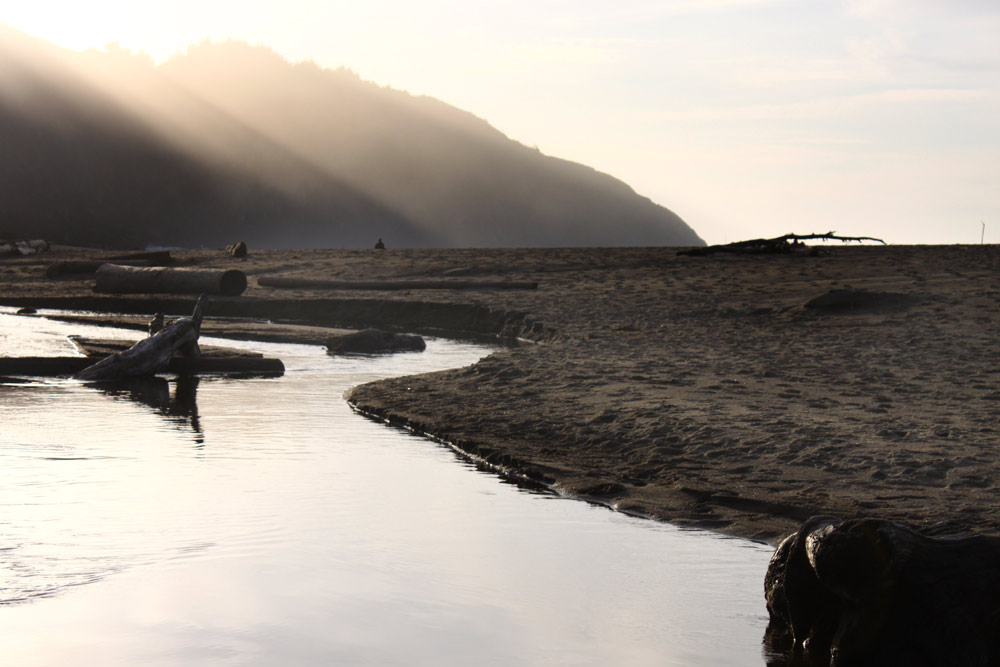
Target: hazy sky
{"x": 748, "y": 118}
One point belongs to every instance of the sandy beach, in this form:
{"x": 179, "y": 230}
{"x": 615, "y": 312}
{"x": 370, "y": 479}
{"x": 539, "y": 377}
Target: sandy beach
{"x": 741, "y": 393}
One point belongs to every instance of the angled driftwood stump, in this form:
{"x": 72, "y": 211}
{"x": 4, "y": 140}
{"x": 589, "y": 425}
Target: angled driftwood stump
{"x": 152, "y": 355}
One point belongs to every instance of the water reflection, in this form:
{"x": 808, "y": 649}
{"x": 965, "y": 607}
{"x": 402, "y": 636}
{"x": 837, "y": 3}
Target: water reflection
{"x": 778, "y": 648}
{"x": 307, "y": 535}
{"x": 179, "y": 409}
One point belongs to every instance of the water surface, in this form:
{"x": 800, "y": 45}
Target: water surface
{"x": 261, "y": 522}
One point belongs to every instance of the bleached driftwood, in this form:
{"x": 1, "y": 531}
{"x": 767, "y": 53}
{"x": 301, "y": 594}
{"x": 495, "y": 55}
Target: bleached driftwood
{"x": 151, "y": 355}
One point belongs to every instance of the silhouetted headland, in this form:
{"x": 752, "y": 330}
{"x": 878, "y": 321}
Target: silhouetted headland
{"x": 230, "y": 141}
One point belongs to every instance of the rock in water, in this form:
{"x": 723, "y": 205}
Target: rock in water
{"x": 374, "y": 341}
{"x": 871, "y": 592}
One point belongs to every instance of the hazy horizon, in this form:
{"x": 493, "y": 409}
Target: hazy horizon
{"x": 748, "y": 118}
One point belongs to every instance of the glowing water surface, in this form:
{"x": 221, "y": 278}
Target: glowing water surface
{"x": 262, "y": 522}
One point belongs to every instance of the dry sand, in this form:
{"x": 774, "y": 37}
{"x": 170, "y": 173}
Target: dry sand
{"x": 697, "y": 390}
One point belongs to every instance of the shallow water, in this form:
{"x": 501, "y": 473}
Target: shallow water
{"x": 262, "y": 522}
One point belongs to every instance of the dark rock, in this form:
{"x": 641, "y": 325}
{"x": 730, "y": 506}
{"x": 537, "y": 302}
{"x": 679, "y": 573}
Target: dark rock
{"x": 374, "y": 341}
{"x": 870, "y": 592}
{"x": 27, "y": 310}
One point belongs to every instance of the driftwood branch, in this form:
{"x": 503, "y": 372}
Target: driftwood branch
{"x": 151, "y": 355}
{"x": 777, "y": 245}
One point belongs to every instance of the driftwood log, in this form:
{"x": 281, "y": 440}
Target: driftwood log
{"x": 84, "y": 267}
{"x": 306, "y": 283}
{"x": 151, "y": 355}
{"x": 778, "y": 245}
{"x": 118, "y": 279}
{"x": 867, "y": 592}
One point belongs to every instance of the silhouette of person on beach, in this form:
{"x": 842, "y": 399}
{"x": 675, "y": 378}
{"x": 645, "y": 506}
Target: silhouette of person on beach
{"x": 379, "y": 245}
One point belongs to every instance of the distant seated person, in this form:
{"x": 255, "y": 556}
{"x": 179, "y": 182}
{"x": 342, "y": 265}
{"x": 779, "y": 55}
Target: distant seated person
{"x": 379, "y": 245}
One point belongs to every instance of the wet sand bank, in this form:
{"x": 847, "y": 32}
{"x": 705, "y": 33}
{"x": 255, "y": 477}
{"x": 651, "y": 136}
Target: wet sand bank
{"x": 699, "y": 390}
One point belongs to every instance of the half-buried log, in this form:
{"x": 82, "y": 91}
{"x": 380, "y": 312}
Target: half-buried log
{"x": 374, "y": 341}
{"x": 870, "y": 592}
{"x": 151, "y": 355}
{"x": 307, "y": 283}
{"x": 118, "y": 279}
{"x": 154, "y": 257}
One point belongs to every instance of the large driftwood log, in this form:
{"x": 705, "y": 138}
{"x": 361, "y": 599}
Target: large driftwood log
{"x": 306, "y": 283}
{"x": 778, "y": 245}
{"x": 119, "y": 279}
{"x": 870, "y": 592}
{"x": 153, "y": 354}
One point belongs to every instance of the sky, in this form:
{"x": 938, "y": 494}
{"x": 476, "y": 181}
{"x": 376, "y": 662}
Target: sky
{"x": 748, "y": 118}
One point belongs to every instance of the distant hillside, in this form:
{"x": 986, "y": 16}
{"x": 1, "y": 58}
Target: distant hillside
{"x": 231, "y": 142}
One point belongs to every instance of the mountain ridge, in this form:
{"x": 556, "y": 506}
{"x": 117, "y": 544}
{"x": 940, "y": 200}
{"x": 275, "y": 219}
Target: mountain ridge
{"x": 231, "y": 141}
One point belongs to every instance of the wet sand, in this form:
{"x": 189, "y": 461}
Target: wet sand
{"x": 697, "y": 390}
